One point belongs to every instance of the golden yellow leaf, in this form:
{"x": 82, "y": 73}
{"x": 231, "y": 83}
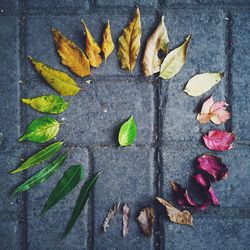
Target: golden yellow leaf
{"x": 157, "y": 41}
{"x": 174, "y": 61}
{"x": 71, "y": 55}
{"x": 107, "y": 44}
{"x": 130, "y": 42}
{"x": 201, "y": 83}
{"x": 92, "y": 49}
{"x": 58, "y": 80}
{"x": 175, "y": 215}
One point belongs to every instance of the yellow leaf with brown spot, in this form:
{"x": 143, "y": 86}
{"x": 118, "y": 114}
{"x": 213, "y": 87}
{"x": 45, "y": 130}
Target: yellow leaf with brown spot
{"x": 92, "y": 49}
{"x": 107, "y": 44}
{"x": 130, "y": 42}
{"x": 71, "y": 55}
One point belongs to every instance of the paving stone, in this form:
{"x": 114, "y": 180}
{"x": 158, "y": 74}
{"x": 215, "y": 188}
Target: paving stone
{"x": 213, "y": 2}
{"x": 126, "y": 3}
{"x": 58, "y": 4}
{"x": 177, "y": 108}
{"x": 128, "y": 177}
{"x": 8, "y": 5}
{"x": 44, "y": 232}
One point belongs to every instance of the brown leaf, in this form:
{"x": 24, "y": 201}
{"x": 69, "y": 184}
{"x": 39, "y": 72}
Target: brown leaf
{"x": 107, "y": 43}
{"x": 125, "y": 219}
{"x": 146, "y": 220}
{"x": 175, "y": 215}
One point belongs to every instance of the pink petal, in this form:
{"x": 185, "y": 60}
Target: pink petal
{"x": 213, "y": 166}
{"x": 207, "y": 105}
{"x": 203, "y": 118}
{"x": 219, "y": 140}
{"x": 218, "y": 106}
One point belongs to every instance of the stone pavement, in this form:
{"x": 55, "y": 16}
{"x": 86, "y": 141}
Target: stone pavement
{"x": 168, "y": 135}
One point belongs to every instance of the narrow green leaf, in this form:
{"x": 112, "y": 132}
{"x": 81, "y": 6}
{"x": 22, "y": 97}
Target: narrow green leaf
{"x": 50, "y": 104}
{"x": 41, "y": 176}
{"x": 41, "y": 130}
{"x": 70, "y": 179}
{"x": 127, "y": 133}
{"x": 81, "y": 201}
{"x": 39, "y": 157}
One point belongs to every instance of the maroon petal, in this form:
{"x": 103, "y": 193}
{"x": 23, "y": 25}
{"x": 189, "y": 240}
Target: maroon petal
{"x": 213, "y": 166}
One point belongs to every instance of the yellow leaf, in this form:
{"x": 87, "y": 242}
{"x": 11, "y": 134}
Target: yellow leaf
{"x": 157, "y": 41}
{"x": 71, "y": 55}
{"x": 174, "y": 61}
{"x": 58, "y": 80}
{"x": 201, "y": 83}
{"x": 129, "y": 43}
{"x": 92, "y": 49}
{"x": 107, "y": 44}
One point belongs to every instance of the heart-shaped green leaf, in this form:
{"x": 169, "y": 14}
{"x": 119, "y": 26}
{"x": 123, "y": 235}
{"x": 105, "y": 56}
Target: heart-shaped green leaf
{"x": 41, "y": 130}
{"x": 70, "y": 179}
{"x": 127, "y": 133}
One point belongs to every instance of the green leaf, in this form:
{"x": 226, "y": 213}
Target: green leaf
{"x": 81, "y": 201}
{"x": 41, "y": 156}
{"x": 127, "y": 133}
{"x": 70, "y": 179}
{"x": 41, "y": 130}
{"x": 41, "y": 176}
{"x": 50, "y": 104}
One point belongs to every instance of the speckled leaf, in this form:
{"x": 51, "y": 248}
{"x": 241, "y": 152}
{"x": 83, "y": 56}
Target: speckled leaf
{"x": 41, "y": 130}
{"x": 39, "y": 157}
{"x": 41, "y": 176}
{"x": 50, "y": 104}
{"x": 107, "y": 42}
{"x": 60, "y": 81}
{"x": 66, "y": 184}
{"x": 128, "y": 132}
{"x": 130, "y": 42}
{"x": 174, "y": 61}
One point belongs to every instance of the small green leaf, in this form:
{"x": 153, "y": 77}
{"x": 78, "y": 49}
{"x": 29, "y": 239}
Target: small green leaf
{"x": 127, "y": 133}
{"x": 41, "y": 176}
{"x": 81, "y": 201}
{"x": 50, "y": 104}
{"x": 39, "y": 157}
{"x": 41, "y": 130}
{"x": 70, "y": 179}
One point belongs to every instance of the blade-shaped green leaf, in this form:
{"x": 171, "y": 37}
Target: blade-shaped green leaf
{"x": 127, "y": 133}
{"x": 50, "y": 104}
{"x": 39, "y": 157}
{"x": 70, "y": 179}
{"x": 81, "y": 201}
{"x": 41, "y": 176}
{"x": 41, "y": 130}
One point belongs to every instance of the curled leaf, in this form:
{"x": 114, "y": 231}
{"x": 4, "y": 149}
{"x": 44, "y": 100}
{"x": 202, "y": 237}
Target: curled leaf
{"x": 39, "y": 157}
{"x": 174, "y": 61}
{"x": 213, "y": 166}
{"x": 92, "y": 49}
{"x": 175, "y": 215}
{"x": 110, "y": 216}
{"x": 71, "y": 55}
{"x": 50, "y": 104}
{"x": 201, "y": 83}
{"x": 58, "y": 80}
{"x": 127, "y": 133}
{"x": 129, "y": 43}
{"x": 157, "y": 41}
{"x": 219, "y": 140}
{"x": 41, "y": 130}
{"x": 107, "y": 42}
{"x": 125, "y": 219}
{"x": 146, "y": 220}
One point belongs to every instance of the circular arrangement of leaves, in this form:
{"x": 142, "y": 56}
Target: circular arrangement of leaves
{"x": 45, "y": 128}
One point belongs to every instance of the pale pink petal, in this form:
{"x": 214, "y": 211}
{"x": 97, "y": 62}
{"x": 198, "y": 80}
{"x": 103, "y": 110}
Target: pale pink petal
{"x": 203, "y": 118}
{"x": 221, "y": 117}
{"x": 218, "y": 106}
{"x": 207, "y": 105}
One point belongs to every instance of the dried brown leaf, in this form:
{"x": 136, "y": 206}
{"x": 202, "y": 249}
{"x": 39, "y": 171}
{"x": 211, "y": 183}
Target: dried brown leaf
{"x": 146, "y": 220}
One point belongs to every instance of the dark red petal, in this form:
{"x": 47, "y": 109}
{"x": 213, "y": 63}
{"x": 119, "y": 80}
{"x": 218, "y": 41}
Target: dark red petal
{"x": 213, "y": 166}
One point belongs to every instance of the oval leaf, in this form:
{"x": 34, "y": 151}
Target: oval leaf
{"x": 41, "y": 176}
{"x": 174, "y": 61}
{"x": 107, "y": 42}
{"x": 129, "y": 43}
{"x": 50, "y": 104}
{"x": 71, "y": 55}
{"x": 127, "y": 133}
{"x": 70, "y": 179}
{"x": 201, "y": 83}
{"x": 60, "y": 81}
{"x": 39, "y": 157}
{"x": 81, "y": 201}
{"x": 41, "y": 130}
